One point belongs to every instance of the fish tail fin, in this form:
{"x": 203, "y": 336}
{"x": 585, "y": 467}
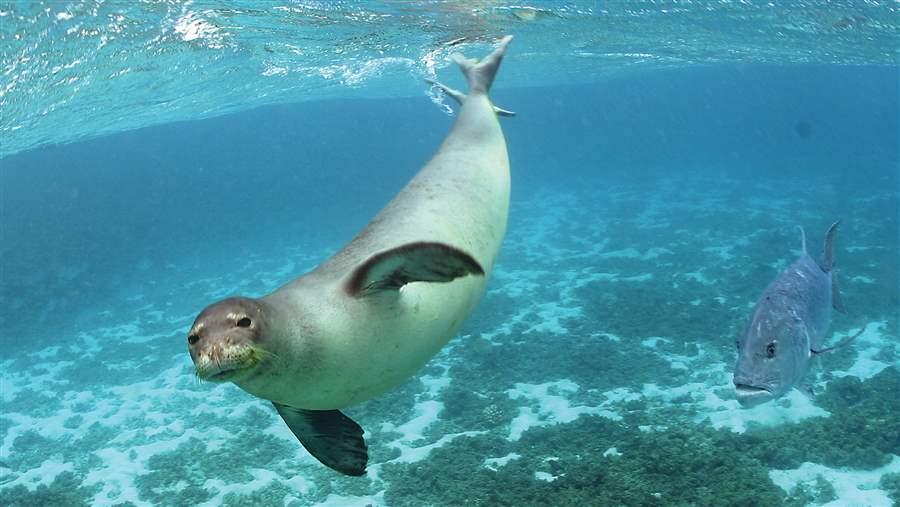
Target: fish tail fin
{"x": 828, "y": 255}
{"x": 479, "y": 74}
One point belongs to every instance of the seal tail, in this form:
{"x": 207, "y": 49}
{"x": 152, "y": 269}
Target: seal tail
{"x": 479, "y": 74}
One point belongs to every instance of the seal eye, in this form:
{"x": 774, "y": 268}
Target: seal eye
{"x": 770, "y": 350}
{"x": 244, "y": 322}
{"x": 192, "y": 339}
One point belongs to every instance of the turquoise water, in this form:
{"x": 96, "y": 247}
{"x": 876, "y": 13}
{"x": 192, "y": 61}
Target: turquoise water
{"x": 157, "y": 156}
{"x": 112, "y": 66}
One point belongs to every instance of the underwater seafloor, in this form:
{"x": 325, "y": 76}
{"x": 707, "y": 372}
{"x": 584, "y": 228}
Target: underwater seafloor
{"x": 595, "y": 372}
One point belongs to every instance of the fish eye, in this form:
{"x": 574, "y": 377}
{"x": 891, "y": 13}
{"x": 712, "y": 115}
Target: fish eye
{"x": 192, "y": 339}
{"x": 244, "y": 322}
{"x": 770, "y": 350}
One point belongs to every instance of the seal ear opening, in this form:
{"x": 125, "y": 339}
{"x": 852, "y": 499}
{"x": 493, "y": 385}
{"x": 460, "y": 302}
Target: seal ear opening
{"x": 413, "y": 262}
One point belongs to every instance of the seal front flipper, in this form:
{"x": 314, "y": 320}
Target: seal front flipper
{"x": 421, "y": 261}
{"x": 330, "y": 436}
{"x": 459, "y": 97}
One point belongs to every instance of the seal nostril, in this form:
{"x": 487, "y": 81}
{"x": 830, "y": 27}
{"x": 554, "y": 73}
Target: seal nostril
{"x": 192, "y": 339}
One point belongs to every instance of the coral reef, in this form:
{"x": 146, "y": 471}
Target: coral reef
{"x": 595, "y": 371}
{"x": 890, "y": 483}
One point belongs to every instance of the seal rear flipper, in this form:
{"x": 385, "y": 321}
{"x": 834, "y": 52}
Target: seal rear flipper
{"x": 330, "y": 436}
{"x": 413, "y": 262}
{"x": 479, "y": 75}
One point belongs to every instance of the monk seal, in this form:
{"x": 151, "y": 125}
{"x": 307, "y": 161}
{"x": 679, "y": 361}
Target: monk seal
{"x": 371, "y": 316}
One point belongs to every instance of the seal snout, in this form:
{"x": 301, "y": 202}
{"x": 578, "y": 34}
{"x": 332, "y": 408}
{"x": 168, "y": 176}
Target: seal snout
{"x": 222, "y": 341}
{"x": 223, "y": 363}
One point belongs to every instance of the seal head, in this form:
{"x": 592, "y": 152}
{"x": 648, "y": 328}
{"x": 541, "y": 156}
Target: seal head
{"x": 224, "y": 341}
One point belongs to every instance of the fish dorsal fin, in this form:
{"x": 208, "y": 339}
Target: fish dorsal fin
{"x": 330, "y": 436}
{"x": 837, "y": 302}
{"x": 413, "y": 262}
{"x": 828, "y": 255}
{"x": 802, "y": 238}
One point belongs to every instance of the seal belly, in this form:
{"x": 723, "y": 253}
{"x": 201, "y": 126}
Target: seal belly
{"x": 391, "y": 337}
{"x": 460, "y": 198}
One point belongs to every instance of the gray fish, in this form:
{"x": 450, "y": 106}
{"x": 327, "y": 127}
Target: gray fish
{"x": 788, "y": 328}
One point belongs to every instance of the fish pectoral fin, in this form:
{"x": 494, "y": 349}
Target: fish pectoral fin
{"x": 330, "y": 436}
{"x": 413, "y": 262}
{"x": 843, "y": 343}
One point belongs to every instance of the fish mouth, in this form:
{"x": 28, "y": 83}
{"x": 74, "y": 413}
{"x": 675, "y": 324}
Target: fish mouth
{"x": 750, "y": 396}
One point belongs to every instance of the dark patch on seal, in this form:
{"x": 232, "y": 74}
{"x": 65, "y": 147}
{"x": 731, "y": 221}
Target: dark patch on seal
{"x": 414, "y": 262}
